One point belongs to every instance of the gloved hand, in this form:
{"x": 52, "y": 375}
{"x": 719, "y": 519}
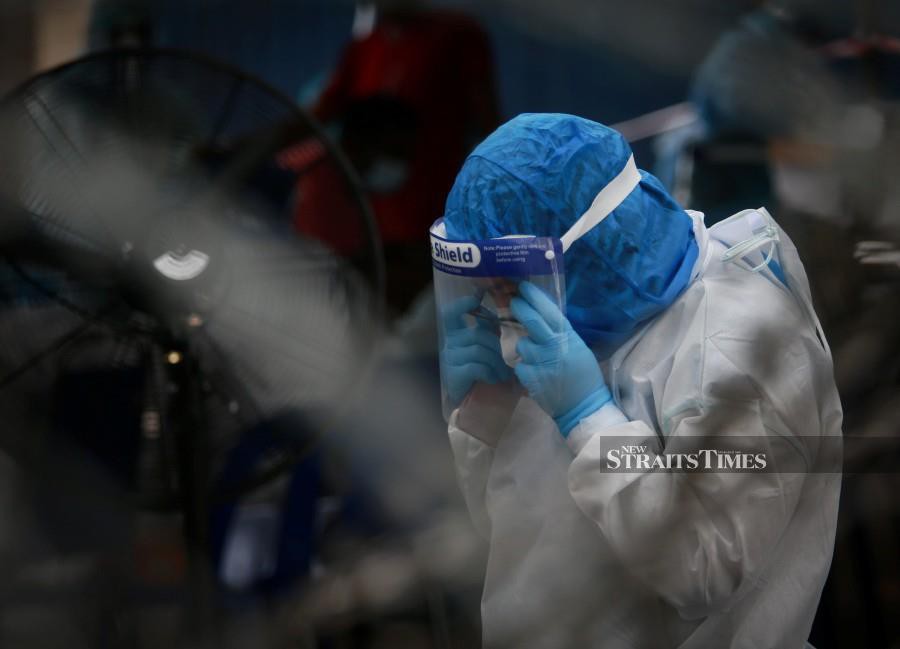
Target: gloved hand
{"x": 558, "y": 369}
{"x": 469, "y": 354}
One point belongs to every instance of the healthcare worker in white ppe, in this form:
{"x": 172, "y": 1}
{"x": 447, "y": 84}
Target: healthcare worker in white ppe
{"x": 653, "y": 453}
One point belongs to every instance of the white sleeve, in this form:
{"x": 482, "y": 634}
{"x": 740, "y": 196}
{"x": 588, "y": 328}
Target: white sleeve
{"x": 475, "y": 429}
{"x": 699, "y": 539}
{"x": 473, "y": 466}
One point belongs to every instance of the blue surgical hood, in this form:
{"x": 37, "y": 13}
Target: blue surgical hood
{"x": 537, "y": 174}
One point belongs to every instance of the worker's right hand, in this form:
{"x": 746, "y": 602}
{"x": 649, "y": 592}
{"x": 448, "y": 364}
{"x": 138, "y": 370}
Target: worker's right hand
{"x": 558, "y": 369}
{"x": 469, "y": 354}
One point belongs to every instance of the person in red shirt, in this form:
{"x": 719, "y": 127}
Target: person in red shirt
{"x": 412, "y": 97}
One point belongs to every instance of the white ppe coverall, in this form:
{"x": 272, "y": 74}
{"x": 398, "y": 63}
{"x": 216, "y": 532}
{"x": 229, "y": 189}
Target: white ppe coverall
{"x": 584, "y": 556}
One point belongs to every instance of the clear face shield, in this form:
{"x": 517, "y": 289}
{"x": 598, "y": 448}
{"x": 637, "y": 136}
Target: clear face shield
{"x": 475, "y": 281}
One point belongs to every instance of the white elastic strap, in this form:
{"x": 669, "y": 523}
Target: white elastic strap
{"x": 743, "y": 248}
{"x": 765, "y": 235}
{"x": 609, "y": 198}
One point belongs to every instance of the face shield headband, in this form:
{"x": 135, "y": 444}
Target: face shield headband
{"x": 606, "y": 201}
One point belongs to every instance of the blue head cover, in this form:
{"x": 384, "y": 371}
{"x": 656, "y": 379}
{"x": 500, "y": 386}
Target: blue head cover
{"x": 537, "y": 174}
{"x": 767, "y": 50}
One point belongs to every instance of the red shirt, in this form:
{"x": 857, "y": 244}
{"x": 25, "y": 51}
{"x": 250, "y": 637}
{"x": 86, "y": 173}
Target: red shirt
{"x": 439, "y": 64}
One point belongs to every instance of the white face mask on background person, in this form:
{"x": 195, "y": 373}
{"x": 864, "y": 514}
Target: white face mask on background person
{"x": 386, "y": 175}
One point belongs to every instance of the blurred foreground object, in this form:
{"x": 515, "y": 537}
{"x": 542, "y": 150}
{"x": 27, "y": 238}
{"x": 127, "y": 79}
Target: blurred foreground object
{"x": 158, "y": 311}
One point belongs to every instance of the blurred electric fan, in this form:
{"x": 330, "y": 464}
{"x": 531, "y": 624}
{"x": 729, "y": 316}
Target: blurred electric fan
{"x": 145, "y": 237}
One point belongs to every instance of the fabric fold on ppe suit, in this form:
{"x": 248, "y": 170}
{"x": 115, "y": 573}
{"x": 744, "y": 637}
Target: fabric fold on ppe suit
{"x": 581, "y": 556}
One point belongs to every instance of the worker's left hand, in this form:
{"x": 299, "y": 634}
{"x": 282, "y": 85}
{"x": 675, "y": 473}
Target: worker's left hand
{"x": 469, "y": 355}
{"x": 558, "y": 369}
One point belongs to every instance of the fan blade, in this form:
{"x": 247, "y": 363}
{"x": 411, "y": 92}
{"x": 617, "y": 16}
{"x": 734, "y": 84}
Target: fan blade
{"x": 52, "y": 348}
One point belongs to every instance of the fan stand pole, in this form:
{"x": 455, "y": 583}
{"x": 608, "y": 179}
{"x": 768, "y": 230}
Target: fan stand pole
{"x": 192, "y": 448}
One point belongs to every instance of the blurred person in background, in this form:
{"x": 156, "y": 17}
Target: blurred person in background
{"x": 764, "y": 82}
{"x": 412, "y": 94}
{"x": 675, "y": 337}
{"x": 797, "y": 111}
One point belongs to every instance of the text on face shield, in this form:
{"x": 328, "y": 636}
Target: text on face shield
{"x": 463, "y": 255}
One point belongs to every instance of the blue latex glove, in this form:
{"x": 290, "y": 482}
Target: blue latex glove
{"x": 558, "y": 369}
{"x": 469, "y": 354}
